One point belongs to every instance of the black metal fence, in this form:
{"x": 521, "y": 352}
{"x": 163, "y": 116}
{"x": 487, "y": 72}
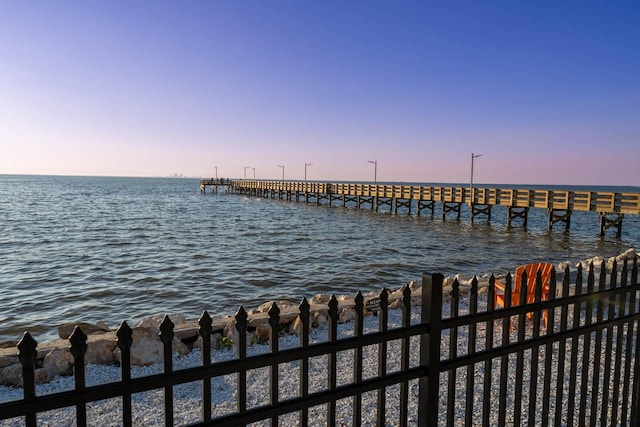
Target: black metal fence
{"x": 477, "y": 365}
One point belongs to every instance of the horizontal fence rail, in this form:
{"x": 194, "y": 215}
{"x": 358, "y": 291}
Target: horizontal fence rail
{"x": 476, "y": 364}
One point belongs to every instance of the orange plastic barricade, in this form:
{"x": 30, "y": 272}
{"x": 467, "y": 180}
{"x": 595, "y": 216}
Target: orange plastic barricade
{"x": 531, "y": 271}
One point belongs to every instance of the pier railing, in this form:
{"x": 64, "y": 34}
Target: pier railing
{"x": 559, "y": 204}
{"x": 609, "y": 202}
{"x": 472, "y": 364}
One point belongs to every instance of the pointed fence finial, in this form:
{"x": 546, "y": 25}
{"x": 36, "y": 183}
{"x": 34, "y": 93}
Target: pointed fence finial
{"x": 166, "y": 330}
{"x": 125, "y": 336}
{"x": 27, "y": 352}
{"x": 78, "y": 340}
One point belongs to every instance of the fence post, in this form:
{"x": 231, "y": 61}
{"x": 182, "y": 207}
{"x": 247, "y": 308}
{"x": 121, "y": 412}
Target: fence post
{"x": 274, "y": 322}
{"x": 635, "y": 400}
{"x": 27, "y": 355}
{"x": 430, "y": 349}
{"x": 304, "y": 317}
{"x": 124, "y": 342}
{"x": 166, "y": 336}
{"x": 241, "y": 354}
{"x": 204, "y": 331}
{"x": 78, "y": 340}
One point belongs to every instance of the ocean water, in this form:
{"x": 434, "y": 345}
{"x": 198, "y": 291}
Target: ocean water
{"x": 111, "y": 249}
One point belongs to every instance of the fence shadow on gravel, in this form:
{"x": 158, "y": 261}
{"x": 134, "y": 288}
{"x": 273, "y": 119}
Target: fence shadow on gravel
{"x": 477, "y": 365}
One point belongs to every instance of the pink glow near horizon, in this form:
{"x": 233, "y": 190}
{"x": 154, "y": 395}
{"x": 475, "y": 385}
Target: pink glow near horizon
{"x": 548, "y": 95}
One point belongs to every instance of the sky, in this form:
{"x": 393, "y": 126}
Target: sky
{"x": 547, "y": 92}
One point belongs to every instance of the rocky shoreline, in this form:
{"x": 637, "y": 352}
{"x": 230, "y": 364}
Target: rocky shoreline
{"x": 55, "y": 358}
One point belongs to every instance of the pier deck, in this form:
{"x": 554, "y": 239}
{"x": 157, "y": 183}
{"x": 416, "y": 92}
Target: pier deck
{"x": 610, "y": 206}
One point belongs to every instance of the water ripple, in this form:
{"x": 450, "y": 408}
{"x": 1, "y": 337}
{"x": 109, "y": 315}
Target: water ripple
{"x": 113, "y": 249}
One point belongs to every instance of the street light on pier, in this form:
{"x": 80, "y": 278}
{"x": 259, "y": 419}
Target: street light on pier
{"x": 254, "y": 173}
{"x": 282, "y": 166}
{"x": 216, "y": 172}
{"x": 473, "y": 156}
{"x": 375, "y": 170}
{"x": 305, "y": 171}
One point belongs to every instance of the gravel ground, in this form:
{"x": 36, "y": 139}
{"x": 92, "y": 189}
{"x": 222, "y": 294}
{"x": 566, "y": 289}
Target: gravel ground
{"x": 187, "y": 396}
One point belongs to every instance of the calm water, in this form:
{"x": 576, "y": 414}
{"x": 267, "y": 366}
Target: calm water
{"x": 112, "y": 249}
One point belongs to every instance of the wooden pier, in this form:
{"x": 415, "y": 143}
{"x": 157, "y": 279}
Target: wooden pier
{"x": 559, "y": 204}
{"x": 214, "y": 183}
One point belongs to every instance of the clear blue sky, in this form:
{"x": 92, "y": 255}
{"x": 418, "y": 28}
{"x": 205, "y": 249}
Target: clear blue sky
{"x": 547, "y": 91}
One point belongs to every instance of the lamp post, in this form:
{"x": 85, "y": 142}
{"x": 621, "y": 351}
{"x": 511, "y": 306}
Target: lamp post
{"x": 282, "y": 166}
{"x": 245, "y": 171}
{"x": 375, "y": 170}
{"x": 254, "y": 173}
{"x": 216, "y": 172}
{"x": 305, "y": 171}
{"x": 473, "y": 156}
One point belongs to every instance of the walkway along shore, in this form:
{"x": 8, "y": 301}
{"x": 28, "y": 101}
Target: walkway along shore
{"x": 611, "y": 207}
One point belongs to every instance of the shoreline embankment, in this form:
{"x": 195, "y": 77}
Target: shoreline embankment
{"x": 54, "y": 357}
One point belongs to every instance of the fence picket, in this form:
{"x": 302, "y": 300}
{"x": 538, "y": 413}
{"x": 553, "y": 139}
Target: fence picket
{"x": 453, "y": 349}
{"x": 78, "y": 348}
{"x": 27, "y": 355}
{"x": 241, "y": 355}
{"x": 404, "y": 355}
{"x": 504, "y": 360}
{"x": 429, "y": 384}
{"x": 586, "y": 354}
{"x": 548, "y": 354}
{"x": 635, "y": 403}
{"x": 562, "y": 349}
{"x": 204, "y": 331}
{"x": 304, "y": 317}
{"x": 357, "y": 358}
{"x": 274, "y": 338}
{"x": 166, "y": 336}
{"x": 609, "y": 346}
{"x": 571, "y": 409}
{"x": 383, "y": 325}
{"x": 535, "y": 351}
{"x": 471, "y": 349}
{"x": 332, "y": 358}
{"x": 621, "y": 302}
{"x": 518, "y": 398}
{"x": 124, "y": 342}
{"x": 628, "y": 351}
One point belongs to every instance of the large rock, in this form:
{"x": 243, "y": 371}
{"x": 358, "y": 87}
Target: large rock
{"x": 8, "y": 356}
{"x": 8, "y": 344}
{"x": 12, "y": 376}
{"x": 147, "y": 348}
{"x": 65, "y": 331}
{"x": 295, "y": 328}
{"x": 100, "y": 349}
{"x": 155, "y": 321}
{"x": 347, "y": 314}
{"x": 320, "y": 299}
{"x": 282, "y": 305}
{"x": 58, "y": 361}
{"x": 261, "y": 335}
{"x": 215, "y": 341}
{"x": 319, "y": 318}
